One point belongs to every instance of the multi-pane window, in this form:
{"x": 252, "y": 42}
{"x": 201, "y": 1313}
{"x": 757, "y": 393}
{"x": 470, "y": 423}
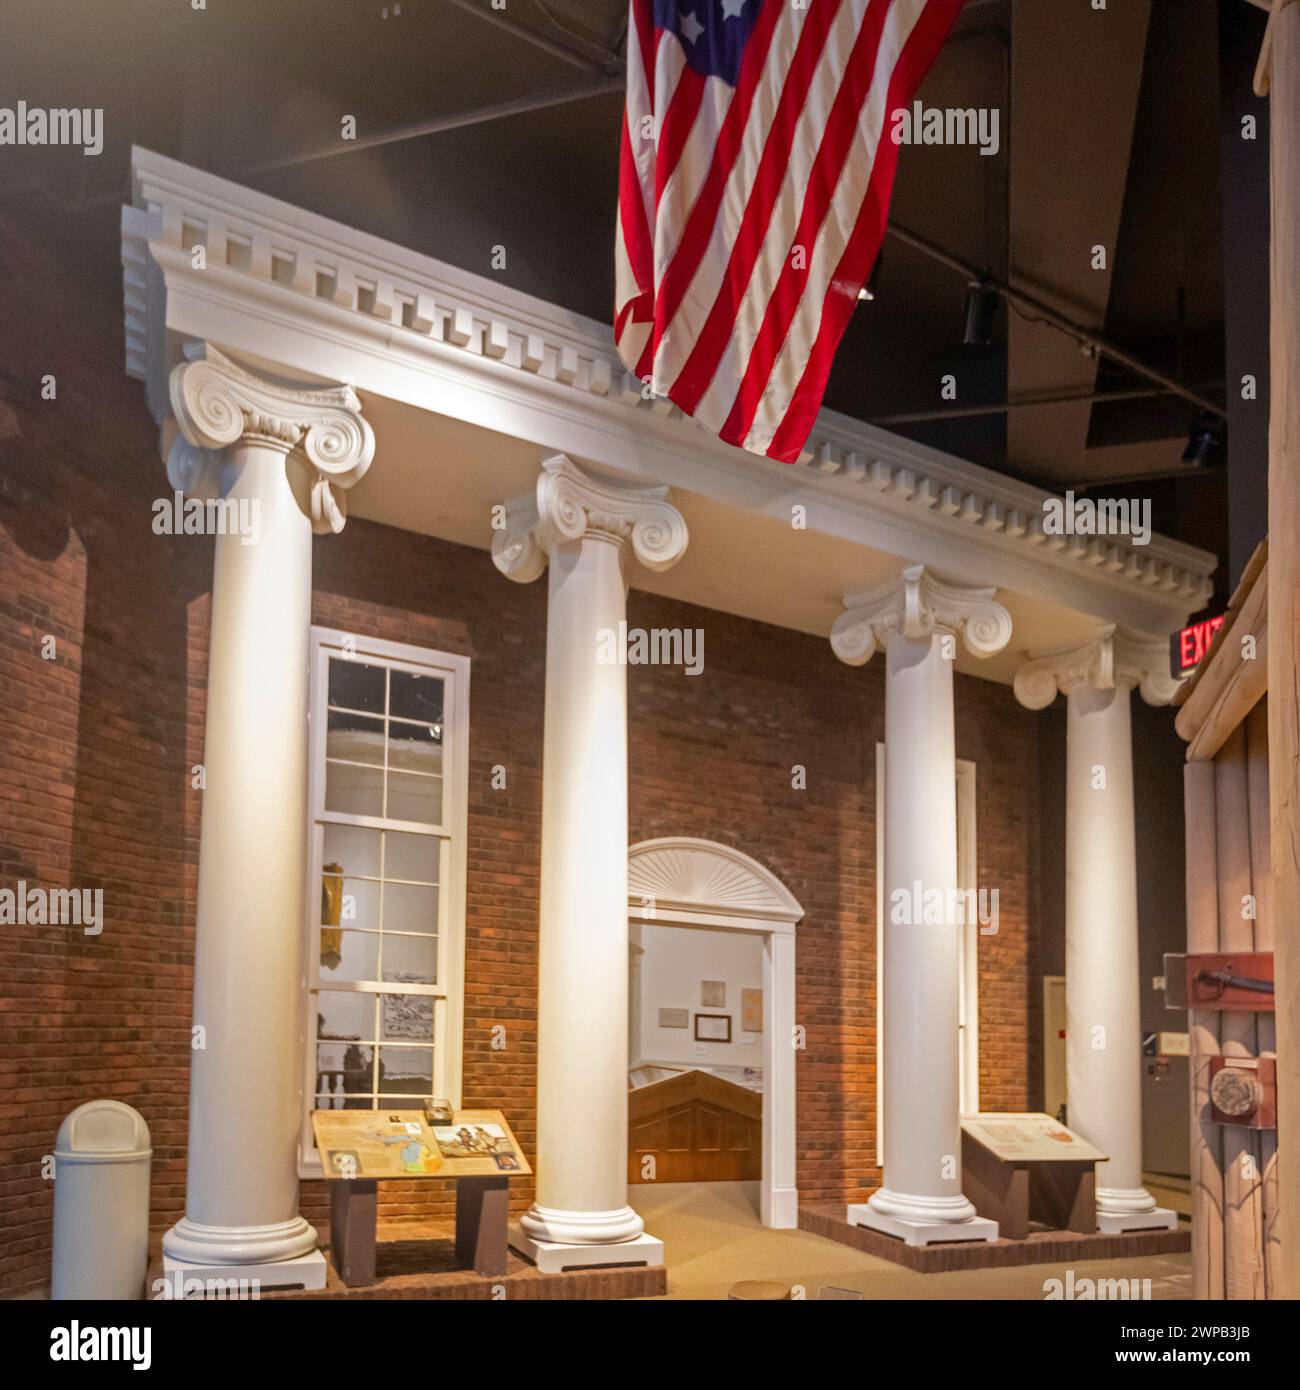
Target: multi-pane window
{"x": 387, "y": 854}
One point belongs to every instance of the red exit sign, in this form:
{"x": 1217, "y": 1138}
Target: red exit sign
{"x": 1187, "y": 646}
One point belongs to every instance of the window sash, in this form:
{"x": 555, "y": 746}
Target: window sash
{"x": 450, "y": 832}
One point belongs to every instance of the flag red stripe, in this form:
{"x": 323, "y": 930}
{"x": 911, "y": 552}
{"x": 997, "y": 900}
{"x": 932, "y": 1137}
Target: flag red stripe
{"x": 918, "y": 53}
{"x": 683, "y": 107}
{"x": 697, "y": 372}
{"x": 699, "y": 224}
{"x": 632, "y": 215}
{"x": 837, "y": 141}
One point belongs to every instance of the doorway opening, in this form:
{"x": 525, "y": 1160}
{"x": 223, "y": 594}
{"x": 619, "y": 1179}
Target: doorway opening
{"x": 711, "y": 1021}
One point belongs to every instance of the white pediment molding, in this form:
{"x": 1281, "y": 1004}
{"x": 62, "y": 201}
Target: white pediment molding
{"x": 278, "y": 282}
{"x": 678, "y": 876}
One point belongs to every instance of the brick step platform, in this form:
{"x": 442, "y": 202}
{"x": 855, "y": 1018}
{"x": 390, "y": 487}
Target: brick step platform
{"x": 417, "y": 1260}
{"x": 1039, "y": 1247}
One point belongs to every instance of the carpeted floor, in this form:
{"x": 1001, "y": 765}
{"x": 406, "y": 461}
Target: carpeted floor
{"x": 713, "y": 1239}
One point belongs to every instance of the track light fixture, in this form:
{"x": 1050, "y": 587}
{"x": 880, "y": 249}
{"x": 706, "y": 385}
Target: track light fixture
{"x": 1205, "y": 441}
{"x": 981, "y": 309}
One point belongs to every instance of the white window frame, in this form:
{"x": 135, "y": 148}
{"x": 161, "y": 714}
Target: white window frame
{"x": 453, "y": 833}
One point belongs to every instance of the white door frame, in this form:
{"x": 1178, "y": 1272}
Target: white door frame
{"x": 685, "y": 882}
{"x": 968, "y": 1031}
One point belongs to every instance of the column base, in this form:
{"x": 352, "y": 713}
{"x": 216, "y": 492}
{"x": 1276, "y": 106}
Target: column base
{"x": 557, "y": 1227}
{"x": 920, "y": 1230}
{"x": 191, "y": 1242}
{"x": 1114, "y": 1223}
{"x": 554, "y": 1257}
{"x": 185, "y": 1279}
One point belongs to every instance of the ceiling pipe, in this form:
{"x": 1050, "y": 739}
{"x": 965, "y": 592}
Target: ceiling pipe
{"x": 479, "y": 9}
{"x": 437, "y": 125}
{"x": 1049, "y": 315}
{"x": 917, "y": 417}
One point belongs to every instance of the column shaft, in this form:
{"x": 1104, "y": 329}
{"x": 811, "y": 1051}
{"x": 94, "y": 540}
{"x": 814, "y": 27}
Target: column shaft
{"x": 1103, "y": 1009}
{"x": 583, "y": 970}
{"x": 242, "y": 1190}
{"x": 922, "y": 959}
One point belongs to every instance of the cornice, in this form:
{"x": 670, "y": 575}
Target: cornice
{"x": 216, "y": 403}
{"x": 570, "y": 503}
{"x": 917, "y": 605}
{"x": 419, "y": 315}
{"x": 1109, "y": 660}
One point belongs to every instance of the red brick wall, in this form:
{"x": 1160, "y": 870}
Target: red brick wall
{"x": 96, "y": 748}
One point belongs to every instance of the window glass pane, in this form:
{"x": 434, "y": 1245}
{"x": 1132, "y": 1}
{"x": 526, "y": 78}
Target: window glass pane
{"x": 416, "y": 697}
{"x": 353, "y": 848}
{"x": 409, "y": 908}
{"x": 353, "y": 685}
{"x": 355, "y": 791}
{"x": 405, "y": 1070}
{"x": 345, "y": 1015}
{"x": 351, "y": 1064}
{"x": 410, "y": 960}
{"x": 352, "y": 902}
{"x": 414, "y": 747}
{"x": 348, "y": 956}
{"x": 406, "y": 1017}
{"x": 340, "y": 1101}
{"x": 412, "y": 798}
{"x": 354, "y": 738}
{"x": 410, "y": 856}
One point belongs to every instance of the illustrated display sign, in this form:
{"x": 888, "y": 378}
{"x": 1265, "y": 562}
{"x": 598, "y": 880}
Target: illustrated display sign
{"x": 375, "y": 1144}
{"x": 1029, "y": 1137}
{"x": 400, "y": 1144}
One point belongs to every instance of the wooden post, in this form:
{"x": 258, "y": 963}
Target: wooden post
{"x": 1203, "y": 1029}
{"x": 1243, "y": 1237}
{"x": 1266, "y": 1029}
{"x": 1280, "y": 75}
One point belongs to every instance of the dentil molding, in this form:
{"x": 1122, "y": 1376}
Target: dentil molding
{"x": 917, "y": 605}
{"x": 216, "y": 403}
{"x": 1109, "y": 660}
{"x": 570, "y": 503}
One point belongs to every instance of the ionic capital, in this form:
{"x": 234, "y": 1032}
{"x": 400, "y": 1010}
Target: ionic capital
{"x": 216, "y": 403}
{"x": 917, "y": 605}
{"x": 569, "y": 504}
{"x": 1109, "y": 660}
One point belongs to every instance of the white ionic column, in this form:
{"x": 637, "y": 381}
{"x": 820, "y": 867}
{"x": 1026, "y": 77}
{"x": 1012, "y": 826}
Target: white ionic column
{"x": 275, "y": 451}
{"x": 919, "y": 619}
{"x": 584, "y": 526}
{"x": 1103, "y": 1029}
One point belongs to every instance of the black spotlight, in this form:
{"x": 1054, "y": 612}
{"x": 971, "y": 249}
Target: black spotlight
{"x": 981, "y": 308}
{"x": 1204, "y": 441}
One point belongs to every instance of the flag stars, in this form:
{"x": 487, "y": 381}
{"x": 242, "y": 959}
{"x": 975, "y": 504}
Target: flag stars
{"x": 731, "y": 8}
{"x": 691, "y": 26}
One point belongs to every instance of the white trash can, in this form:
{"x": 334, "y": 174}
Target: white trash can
{"x": 101, "y": 1203}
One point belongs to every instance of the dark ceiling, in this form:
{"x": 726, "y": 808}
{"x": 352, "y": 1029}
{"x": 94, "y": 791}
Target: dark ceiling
{"x": 240, "y": 85}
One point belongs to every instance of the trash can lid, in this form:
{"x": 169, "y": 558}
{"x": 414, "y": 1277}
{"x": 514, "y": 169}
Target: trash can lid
{"x": 103, "y": 1127}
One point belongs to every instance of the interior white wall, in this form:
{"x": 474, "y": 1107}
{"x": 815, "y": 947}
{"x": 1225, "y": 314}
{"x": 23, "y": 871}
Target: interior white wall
{"x": 667, "y": 972}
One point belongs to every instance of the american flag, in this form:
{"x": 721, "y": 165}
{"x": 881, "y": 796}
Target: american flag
{"x": 754, "y": 182}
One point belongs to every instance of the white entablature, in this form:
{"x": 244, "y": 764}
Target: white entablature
{"x": 278, "y": 284}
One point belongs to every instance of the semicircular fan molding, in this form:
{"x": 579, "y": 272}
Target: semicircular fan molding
{"x": 709, "y": 876}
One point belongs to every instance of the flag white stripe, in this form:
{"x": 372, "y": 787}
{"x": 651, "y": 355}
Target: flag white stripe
{"x": 836, "y": 229}
{"x": 716, "y": 403}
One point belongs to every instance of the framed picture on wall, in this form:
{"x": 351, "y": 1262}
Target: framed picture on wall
{"x": 713, "y": 994}
{"x": 713, "y": 1028}
{"x": 751, "y": 1010}
{"x": 674, "y": 1018}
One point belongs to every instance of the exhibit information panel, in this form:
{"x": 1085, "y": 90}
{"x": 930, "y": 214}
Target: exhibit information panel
{"x": 1029, "y": 1137}
{"x": 401, "y": 1144}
